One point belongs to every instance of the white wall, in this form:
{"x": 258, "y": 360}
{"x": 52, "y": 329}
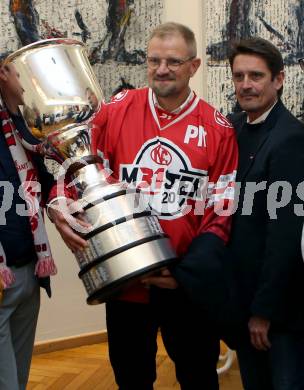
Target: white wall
{"x": 66, "y": 313}
{"x": 191, "y": 13}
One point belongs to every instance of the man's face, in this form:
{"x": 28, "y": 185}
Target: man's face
{"x": 166, "y": 82}
{"x": 255, "y": 90}
{"x": 12, "y": 85}
{"x": 92, "y": 99}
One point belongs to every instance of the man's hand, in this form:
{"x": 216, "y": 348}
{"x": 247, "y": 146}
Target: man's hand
{"x": 258, "y": 329}
{"x": 163, "y": 280}
{"x": 67, "y": 225}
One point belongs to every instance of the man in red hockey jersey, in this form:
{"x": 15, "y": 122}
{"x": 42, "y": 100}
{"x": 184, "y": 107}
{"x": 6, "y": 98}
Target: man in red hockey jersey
{"x": 182, "y": 153}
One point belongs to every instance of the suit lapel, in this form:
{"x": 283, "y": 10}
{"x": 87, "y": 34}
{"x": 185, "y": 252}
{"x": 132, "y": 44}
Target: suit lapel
{"x": 265, "y": 131}
{"x": 245, "y": 168}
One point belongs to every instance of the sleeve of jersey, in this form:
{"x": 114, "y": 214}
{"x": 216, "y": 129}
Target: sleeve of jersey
{"x": 106, "y": 126}
{"x": 61, "y": 189}
{"x": 98, "y": 131}
{"x": 219, "y": 201}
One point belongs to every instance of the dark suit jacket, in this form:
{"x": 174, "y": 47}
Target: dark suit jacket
{"x": 265, "y": 251}
{"x": 46, "y": 181}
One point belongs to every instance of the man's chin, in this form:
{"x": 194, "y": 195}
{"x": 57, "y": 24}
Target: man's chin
{"x": 163, "y": 92}
{"x": 248, "y": 106}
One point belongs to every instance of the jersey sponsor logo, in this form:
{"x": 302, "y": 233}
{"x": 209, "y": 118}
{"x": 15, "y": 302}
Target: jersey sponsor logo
{"x": 165, "y": 116}
{"x": 165, "y": 175}
{"x": 197, "y": 134}
{"x": 221, "y": 119}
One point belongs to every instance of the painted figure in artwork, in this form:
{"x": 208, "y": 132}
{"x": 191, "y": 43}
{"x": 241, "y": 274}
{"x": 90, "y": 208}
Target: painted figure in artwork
{"x": 31, "y": 28}
{"x": 26, "y": 20}
{"x": 243, "y": 16}
{"x": 117, "y": 21}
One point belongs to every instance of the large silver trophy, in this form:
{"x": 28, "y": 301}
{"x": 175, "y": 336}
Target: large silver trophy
{"x": 61, "y": 92}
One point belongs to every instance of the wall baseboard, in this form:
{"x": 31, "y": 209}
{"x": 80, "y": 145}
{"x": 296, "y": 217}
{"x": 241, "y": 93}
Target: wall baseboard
{"x": 70, "y": 342}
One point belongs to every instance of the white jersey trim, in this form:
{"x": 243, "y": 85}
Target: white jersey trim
{"x": 179, "y": 118}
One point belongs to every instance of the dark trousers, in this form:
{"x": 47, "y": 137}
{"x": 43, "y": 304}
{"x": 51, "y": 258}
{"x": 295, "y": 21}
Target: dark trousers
{"x": 188, "y": 336}
{"x": 279, "y": 368}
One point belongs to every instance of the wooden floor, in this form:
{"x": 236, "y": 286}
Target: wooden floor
{"x": 88, "y": 368}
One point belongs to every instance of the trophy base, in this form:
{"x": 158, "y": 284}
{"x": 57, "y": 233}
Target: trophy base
{"x": 115, "y": 288}
{"x": 110, "y": 276}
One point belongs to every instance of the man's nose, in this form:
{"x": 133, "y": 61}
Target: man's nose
{"x": 163, "y": 67}
{"x": 246, "y": 83}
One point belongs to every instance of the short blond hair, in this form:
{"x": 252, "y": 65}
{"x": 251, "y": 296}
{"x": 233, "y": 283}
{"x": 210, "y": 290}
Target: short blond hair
{"x": 171, "y": 28}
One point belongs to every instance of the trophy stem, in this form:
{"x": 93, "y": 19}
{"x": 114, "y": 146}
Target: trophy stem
{"x": 87, "y": 178}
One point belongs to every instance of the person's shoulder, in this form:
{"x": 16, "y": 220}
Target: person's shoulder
{"x": 127, "y": 96}
{"x": 289, "y": 116}
{"x": 287, "y": 124}
{"x": 237, "y": 118}
{"x": 116, "y": 106}
{"x": 214, "y": 119}
{"x": 288, "y": 131}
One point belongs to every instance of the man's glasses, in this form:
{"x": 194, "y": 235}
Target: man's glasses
{"x": 301, "y": 62}
{"x": 171, "y": 63}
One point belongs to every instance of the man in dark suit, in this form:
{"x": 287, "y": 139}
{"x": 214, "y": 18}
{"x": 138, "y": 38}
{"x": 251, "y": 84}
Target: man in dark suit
{"x": 266, "y": 233}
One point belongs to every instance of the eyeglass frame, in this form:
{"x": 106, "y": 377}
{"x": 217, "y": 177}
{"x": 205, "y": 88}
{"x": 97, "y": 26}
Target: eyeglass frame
{"x": 301, "y": 62}
{"x": 179, "y": 62}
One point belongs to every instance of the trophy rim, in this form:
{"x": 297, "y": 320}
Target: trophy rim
{"x": 42, "y": 43}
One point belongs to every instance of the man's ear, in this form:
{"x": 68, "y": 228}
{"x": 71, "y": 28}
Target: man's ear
{"x": 279, "y": 78}
{"x": 195, "y": 64}
{"x": 3, "y": 73}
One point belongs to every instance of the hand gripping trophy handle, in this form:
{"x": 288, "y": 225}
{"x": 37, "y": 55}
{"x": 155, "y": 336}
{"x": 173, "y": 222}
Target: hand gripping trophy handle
{"x": 61, "y": 93}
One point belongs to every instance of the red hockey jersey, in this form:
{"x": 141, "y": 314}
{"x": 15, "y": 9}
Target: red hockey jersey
{"x": 185, "y": 162}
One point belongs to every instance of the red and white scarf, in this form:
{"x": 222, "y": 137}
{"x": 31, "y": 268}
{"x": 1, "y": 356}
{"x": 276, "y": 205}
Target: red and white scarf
{"x": 30, "y": 188}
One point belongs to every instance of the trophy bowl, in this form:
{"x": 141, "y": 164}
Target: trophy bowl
{"x": 60, "y": 87}
{"x": 61, "y": 93}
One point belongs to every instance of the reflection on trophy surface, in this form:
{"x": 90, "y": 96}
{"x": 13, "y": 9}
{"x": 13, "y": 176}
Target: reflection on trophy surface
{"x": 61, "y": 93}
